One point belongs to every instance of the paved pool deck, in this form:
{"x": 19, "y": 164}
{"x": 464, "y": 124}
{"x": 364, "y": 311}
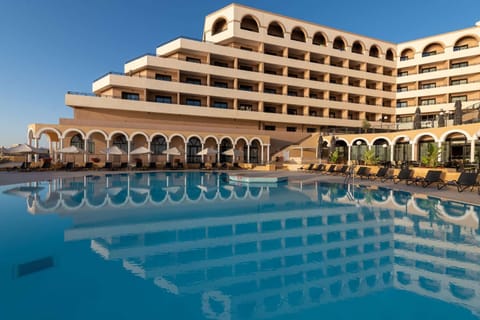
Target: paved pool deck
{"x": 447, "y": 193}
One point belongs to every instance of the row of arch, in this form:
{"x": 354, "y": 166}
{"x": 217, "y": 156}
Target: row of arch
{"x": 250, "y": 150}
{"x": 465, "y": 42}
{"x": 276, "y": 29}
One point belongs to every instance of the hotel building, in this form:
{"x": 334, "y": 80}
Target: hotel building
{"x": 260, "y": 82}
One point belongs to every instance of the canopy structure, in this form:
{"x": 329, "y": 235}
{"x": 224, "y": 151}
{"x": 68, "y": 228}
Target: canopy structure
{"x": 24, "y": 149}
{"x": 140, "y": 150}
{"x": 232, "y": 152}
{"x": 207, "y": 152}
{"x": 71, "y": 150}
{"x": 172, "y": 151}
{"x": 115, "y": 151}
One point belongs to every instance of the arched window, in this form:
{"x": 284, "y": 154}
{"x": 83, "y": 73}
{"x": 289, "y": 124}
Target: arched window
{"x": 432, "y": 49}
{"x": 248, "y": 23}
{"x": 121, "y": 142}
{"x": 77, "y": 141}
{"x": 158, "y": 145}
{"x": 274, "y": 29}
{"x": 219, "y": 26}
{"x": 339, "y": 44}
{"x": 374, "y": 52}
{"x": 319, "y": 39}
{"x": 194, "y": 146}
{"x": 254, "y": 152}
{"x": 465, "y": 43}
{"x": 297, "y": 35}
{"x": 389, "y": 55}
{"x": 224, "y": 146}
{"x": 357, "y": 47}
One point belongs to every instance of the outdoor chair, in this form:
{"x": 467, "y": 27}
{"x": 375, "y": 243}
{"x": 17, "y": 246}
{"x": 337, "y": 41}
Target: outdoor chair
{"x": 381, "y": 174}
{"x": 139, "y": 165}
{"x": 202, "y": 165}
{"x": 152, "y": 165}
{"x": 69, "y": 166}
{"x": 330, "y": 169}
{"x": 88, "y": 166}
{"x": 432, "y": 176}
{"x": 306, "y": 167}
{"x": 123, "y": 165}
{"x": 320, "y": 168}
{"x": 363, "y": 172}
{"x": 404, "y": 175}
{"x": 168, "y": 165}
{"x": 341, "y": 171}
{"x": 464, "y": 181}
{"x": 108, "y": 166}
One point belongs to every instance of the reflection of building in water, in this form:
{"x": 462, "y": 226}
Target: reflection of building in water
{"x": 263, "y": 251}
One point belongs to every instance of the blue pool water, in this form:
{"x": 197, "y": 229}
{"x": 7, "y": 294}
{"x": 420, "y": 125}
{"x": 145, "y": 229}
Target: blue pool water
{"x": 193, "y": 246}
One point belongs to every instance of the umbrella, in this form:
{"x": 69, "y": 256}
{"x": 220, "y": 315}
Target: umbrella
{"x": 232, "y": 152}
{"x": 457, "y": 115}
{"x": 173, "y": 151}
{"x": 207, "y": 152}
{"x": 417, "y": 119}
{"x": 24, "y": 149}
{"x": 71, "y": 150}
{"x": 140, "y": 150}
{"x": 116, "y": 151}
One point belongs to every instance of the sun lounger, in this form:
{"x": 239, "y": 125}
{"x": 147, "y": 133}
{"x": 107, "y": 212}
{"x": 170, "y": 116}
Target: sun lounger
{"x": 363, "y": 172}
{"x": 382, "y": 173}
{"x": 404, "y": 175}
{"x": 330, "y": 169}
{"x": 432, "y": 176}
{"x": 464, "y": 181}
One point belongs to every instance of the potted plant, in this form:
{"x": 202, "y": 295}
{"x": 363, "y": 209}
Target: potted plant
{"x": 334, "y": 156}
{"x": 431, "y": 158}
{"x": 369, "y": 157}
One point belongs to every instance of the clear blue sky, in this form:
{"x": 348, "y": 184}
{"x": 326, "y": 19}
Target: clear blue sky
{"x": 49, "y": 47}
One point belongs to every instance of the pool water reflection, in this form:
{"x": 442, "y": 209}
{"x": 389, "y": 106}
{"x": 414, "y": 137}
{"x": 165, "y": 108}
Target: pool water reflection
{"x": 192, "y": 246}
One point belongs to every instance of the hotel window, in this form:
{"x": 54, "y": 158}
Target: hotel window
{"x": 270, "y": 109}
{"x": 332, "y": 114}
{"x": 462, "y": 47}
{"x": 269, "y": 128}
{"x": 312, "y": 113}
{"x": 245, "y": 87}
{"x": 458, "y": 98}
{"x": 402, "y": 89}
{"x": 429, "y": 85}
{"x": 459, "y": 65}
{"x": 429, "y": 53}
{"x": 77, "y": 141}
{"x": 193, "y": 102}
{"x": 220, "y": 64}
{"x": 130, "y": 96}
{"x": 429, "y": 101}
{"x": 403, "y": 73}
{"x": 269, "y": 90}
{"x": 193, "y": 80}
{"x": 246, "y": 48}
{"x": 192, "y": 59}
{"x": 292, "y": 93}
{"x": 311, "y": 130}
{"x": 220, "y": 105}
{"x": 458, "y": 81}
{"x": 402, "y": 104}
{"x": 291, "y": 129}
{"x": 164, "y": 77}
{"x": 269, "y": 71}
{"x": 163, "y": 99}
{"x": 429, "y": 69}
{"x": 245, "y": 107}
{"x": 220, "y": 84}
{"x": 245, "y": 67}
{"x": 403, "y": 58}
{"x": 292, "y": 111}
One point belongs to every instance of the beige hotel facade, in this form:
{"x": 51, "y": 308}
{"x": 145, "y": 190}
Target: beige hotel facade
{"x": 269, "y": 85}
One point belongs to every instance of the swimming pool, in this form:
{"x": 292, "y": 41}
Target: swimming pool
{"x": 194, "y": 246}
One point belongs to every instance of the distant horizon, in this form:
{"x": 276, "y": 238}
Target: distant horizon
{"x": 54, "y": 46}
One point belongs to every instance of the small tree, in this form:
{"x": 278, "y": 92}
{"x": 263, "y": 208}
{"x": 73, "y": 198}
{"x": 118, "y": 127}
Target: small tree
{"x": 334, "y": 156}
{"x": 365, "y": 125}
{"x": 431, "y": 158}
{"x": 369, "y": 157}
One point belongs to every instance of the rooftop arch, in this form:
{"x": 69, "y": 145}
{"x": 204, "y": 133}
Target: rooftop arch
{"x": 91, "y": 132}
{"x": 319, "y": 39}
{"x": 390, "y": 55}
{"x": 219, "y": 25}
{"x": 433, "y": 49}
{"x": 465, "y": 42}
{"x": 298, "y": 35}
{"x": 249, "y": 23}
{"x": 448, "y": 133}
{"x": 339, "y": 43}
{"x": 275, "y": 29}
{"x": 407, "y": 54}
{"x": 78, "y": 131}
{"x": 424, "y": 135}
{"x": 46, "y": 131}
{"x": 113, "y": 133}
{"x": 357, "y": 47}
{"x": 181, "y": 136}
{"x": 374, "y": 51}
